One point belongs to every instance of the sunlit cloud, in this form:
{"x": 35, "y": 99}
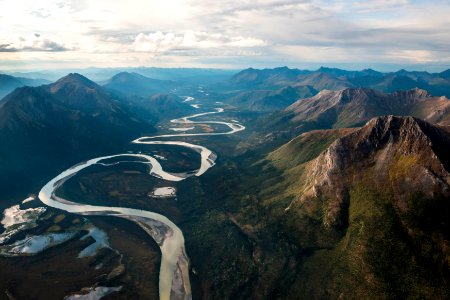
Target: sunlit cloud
{"x": 371, "y": 5}
{"x": 230, "y": 32}
{"x": 164, "y": 42}
{"x": 33, "y": 43}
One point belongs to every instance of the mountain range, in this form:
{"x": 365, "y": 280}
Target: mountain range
{"x": 54, "y": 125}
{"x": 270, "y": 100}
{"x": 338, "y": 188}
{"x": 348, "y": 108}
{"x": 335, "y": 79}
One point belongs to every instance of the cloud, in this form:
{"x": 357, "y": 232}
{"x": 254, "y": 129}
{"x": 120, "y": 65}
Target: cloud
{"x": 371, "y": 5}
{"x": 190, "y": 40}
{"x": 36, "y": 43}
{"x": 231, "y": 32}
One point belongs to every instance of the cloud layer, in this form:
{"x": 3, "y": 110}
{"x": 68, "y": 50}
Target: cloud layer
{"x": 31, "y": 44}
{"x": 226, "y": 33}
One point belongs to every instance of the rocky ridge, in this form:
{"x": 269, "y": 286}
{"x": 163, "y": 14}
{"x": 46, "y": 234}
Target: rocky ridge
{"x": 401, "y": 154}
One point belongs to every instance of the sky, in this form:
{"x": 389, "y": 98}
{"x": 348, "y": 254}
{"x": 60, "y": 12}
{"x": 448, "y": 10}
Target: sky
{"x": 382, "y": 34}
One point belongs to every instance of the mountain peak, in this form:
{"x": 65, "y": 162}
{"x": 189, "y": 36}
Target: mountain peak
{"x": 73, "y": 79}
{"x": 402, "y": 71}
{"x": 382, "y": 128}
{"x": 404, "y": 154}
{"x": 355, "y": 106}
{"x": 123, "y": 76}
{"x": 132, "y": 83}
{"x": 79, "y": 92}
{"x": 415, "y": 94}
{"x": 445, "y": 74}
{"x": 325, "y": 69}
{"x": 285, "y": 68}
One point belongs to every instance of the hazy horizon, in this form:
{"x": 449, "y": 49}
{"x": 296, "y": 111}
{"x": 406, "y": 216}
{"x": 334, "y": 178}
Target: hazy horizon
{"x": 385, "y": 69}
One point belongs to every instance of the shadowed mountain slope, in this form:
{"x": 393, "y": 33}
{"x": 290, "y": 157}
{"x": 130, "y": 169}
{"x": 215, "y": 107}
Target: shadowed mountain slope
{"x": 137, "y": 84}
{"x": 48, "y": 127}
{"x": 268, "y": 100}
{"x": 9, "y": 83}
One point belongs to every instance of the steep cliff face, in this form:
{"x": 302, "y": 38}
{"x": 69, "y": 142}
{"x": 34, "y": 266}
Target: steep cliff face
{"x": 401, "y": 154}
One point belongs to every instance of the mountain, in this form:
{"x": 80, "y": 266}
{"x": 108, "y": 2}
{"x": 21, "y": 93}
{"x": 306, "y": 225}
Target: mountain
{"x": 351, "y": 107}
{"x": 160, "y": 107}
{"x": 348, "y": 74}
{"x": 345, "y": 108}
{"x": 78, "y": 92}
{"x": 283, "y": 76}
{"x": 9, "y": 83}
{"x": 404, "y": 153}
{"x": 305, "y": 147}
{"x": 337, "y": 213}
{"x": 395, "y": 82}
{"x": 52, "y": 126}
{"x": 445, "y": 74}
{"x": 437, "y": 84}
{"x": 137, "y": 84}
{"x": 269, "y": 100}
{"x": 321, "y": 81}
{"x": 265, "y": 78}
{"x": 369, "y": 208}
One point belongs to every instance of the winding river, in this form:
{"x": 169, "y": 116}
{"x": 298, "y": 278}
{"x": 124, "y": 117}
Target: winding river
{"x": 174, "y": 270}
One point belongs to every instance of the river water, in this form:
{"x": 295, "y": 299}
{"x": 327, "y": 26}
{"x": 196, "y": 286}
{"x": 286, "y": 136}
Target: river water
{"x": 174, "y": 281}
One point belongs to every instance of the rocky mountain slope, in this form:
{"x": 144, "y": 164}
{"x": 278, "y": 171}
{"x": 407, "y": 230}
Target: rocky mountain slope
{"x": 406, "y": 154}
{"x": 333, "y": 214}
{"x": 348, "y": 108}
{"x": 373, "y": 207}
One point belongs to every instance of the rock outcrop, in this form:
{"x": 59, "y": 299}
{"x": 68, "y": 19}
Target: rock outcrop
{"x": 404, "y": 155}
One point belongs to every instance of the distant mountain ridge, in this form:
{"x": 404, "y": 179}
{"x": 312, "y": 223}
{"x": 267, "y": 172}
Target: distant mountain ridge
{"x": 353, "y": 106}
{"x": 349, "y": 107}
{"x": 137, "y": 84}
{"x": 252, "y": 76}
{"x": 8, "y": 83}
{"x": 437, "y": 84}
{"x": 270, "y": 100}
{"x": 159, "y": 107}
